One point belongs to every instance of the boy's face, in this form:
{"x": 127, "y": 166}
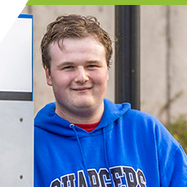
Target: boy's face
{"x": 78, "y": 75}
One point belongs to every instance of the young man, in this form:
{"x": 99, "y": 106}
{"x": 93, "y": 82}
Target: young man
{"x": 83, "y": 139}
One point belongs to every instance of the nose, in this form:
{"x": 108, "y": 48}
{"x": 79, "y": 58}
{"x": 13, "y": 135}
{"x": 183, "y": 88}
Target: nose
{"x": 81, "y": 75}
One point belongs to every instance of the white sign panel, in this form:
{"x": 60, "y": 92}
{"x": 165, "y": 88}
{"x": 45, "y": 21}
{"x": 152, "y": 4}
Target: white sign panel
{"x": 16, "y": 57}
{"x": 16, "y": 143}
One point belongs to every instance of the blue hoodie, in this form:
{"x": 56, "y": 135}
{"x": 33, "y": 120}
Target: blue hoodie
{"x": 129, "y": 148}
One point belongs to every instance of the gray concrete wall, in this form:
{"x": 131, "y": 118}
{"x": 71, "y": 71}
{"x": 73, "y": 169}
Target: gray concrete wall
{"x": 164, "y": 61}
{"x": 163, "y": 54}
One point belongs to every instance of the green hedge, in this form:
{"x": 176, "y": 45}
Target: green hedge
{"x": 179, "y": 130}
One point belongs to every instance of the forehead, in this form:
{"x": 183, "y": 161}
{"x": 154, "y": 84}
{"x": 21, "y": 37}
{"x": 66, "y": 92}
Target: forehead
{"x": 76, "y": 46}
{"x": 69, "y": 43}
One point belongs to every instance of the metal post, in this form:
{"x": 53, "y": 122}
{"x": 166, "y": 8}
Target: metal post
{"x": 127, "y": 54}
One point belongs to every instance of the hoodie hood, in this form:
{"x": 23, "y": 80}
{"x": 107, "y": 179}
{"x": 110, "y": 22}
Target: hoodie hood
{"x": 48, "y": 120}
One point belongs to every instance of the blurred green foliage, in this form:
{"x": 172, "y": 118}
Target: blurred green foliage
{"x": 179, "y": 130}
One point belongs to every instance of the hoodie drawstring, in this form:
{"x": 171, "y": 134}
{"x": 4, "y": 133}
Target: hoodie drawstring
{"x": 83, "y": 156}
{"x": 82, "y": 153}
{"x": 105, "y": 155}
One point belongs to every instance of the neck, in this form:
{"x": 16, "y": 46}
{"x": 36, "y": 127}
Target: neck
{"x": 81, "y": 116}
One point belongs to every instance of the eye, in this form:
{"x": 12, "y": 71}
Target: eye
{"x": 68, "y": 68}
{"x": 92, "y": 66}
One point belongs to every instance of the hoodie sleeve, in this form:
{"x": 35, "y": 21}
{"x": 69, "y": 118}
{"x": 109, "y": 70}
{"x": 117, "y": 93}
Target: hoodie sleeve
{"x": 175, "y": 173}
{"x": 172, "y": 160}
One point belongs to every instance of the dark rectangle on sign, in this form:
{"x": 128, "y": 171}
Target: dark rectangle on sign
{"x": 18, "y": 96}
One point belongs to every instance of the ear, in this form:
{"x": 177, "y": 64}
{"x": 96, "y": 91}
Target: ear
{"x": 48, "y": 76}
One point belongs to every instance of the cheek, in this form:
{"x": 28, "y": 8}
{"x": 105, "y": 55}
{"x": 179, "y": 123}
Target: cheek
{"x": 104, "y": 76}
{"x": 101, "y": 79}
{"x": 62, "y": 79}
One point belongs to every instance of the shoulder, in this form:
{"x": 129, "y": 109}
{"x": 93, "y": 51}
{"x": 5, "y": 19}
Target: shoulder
{"x": 140, "y": 118}
{"x": 147, "y": 126}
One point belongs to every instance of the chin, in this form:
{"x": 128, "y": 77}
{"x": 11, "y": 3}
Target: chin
{"x": 84, "y": 104}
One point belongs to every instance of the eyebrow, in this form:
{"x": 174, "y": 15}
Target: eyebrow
{"x": 93, "y": 61}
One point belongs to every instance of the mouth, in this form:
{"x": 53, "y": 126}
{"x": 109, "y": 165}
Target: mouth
{"x": 81, "y": 89}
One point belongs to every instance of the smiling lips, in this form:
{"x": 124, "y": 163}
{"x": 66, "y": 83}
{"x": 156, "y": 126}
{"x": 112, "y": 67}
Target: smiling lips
{"x": 81, "y": 89}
